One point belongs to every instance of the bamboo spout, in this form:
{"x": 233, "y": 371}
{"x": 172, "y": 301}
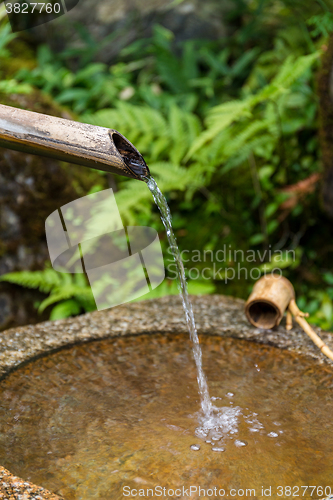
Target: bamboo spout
{"x": 96, "y": 147}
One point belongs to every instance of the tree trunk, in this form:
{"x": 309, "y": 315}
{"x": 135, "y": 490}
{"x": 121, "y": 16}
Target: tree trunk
{"x": 325, "y": 91}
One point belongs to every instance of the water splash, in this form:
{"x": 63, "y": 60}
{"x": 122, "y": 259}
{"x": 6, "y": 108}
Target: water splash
{"x": 163, "y": 207}
{"x": 195, "y": 447}
{"x": 222, "y": 422}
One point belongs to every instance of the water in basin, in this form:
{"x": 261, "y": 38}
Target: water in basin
{"x": 110, "y": 419}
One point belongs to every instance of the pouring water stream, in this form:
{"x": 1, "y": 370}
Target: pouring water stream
{"x": 163, "y": 207}
{"x": 216, "y": 422}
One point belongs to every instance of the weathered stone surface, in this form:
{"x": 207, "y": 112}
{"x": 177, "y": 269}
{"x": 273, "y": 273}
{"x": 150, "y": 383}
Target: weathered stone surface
{"x": 14, "y": 488}
{"x": 215, "y": 315}
{"x": 31, "y": 188}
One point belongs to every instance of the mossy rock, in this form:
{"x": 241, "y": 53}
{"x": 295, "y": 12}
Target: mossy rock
{"x": 21, "y": 56}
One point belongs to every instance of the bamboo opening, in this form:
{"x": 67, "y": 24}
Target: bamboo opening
{"x": 268, "y": 301}
{"x": 263, "y": 314}
{"x": 131, "y": 156}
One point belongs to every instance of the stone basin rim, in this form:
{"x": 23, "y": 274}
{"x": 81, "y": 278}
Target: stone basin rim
{"x": 216, "y": 315}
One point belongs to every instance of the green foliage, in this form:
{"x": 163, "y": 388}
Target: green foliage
{"x": 319, "y": 304}
{"x": 8, "y": 85}
{"x": 322, "y": 25}
{"x": 71, "y": 293}
{"x": 14, "y": 87}
{"x": 170, "y": 287}
{"x": 148, "y": 71}
{"x": 236, "y": 132}
{"x": 92, "y": 87}
{"x": 6, "y": 36}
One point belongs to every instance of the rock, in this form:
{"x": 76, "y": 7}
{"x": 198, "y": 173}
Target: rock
{"x": 12, "y": 487}
{"x": 31, "y": 188}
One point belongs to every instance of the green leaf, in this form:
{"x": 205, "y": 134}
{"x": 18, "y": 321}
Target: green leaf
{"x": 256, "y": 239}
{"x": 13, "y": 87}
{"x": 65, "y": 310}
{"x": 271, "y": 226}
{"x": 328, "y": 277}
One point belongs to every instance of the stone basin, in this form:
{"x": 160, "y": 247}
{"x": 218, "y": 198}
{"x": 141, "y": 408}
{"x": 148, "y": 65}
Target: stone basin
{"x": 138, "y": 418}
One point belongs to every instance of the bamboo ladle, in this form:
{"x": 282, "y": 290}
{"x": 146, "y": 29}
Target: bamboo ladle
{"x": 271, "y": 296}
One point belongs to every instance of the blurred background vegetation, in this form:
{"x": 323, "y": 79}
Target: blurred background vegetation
{"x": 231, "y": 130}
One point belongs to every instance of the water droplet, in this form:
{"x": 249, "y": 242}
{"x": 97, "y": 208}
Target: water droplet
{"x": 218, "y": 448}
{"x": 272, "y": 435}
{"x": 240, "y": 443}
{"x": 195, "y": 447}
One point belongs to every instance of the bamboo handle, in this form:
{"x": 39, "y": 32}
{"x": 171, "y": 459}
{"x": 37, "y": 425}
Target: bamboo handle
{"x": 299, "y": 317}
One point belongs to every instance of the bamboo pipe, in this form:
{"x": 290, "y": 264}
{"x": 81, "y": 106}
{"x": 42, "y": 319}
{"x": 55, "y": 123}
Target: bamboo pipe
{"x": 74, "y": 142}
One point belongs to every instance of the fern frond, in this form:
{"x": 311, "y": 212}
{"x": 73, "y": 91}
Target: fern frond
{"x": 224, "y": 115}
{"x": 292, "y": 70}
{"x": 66, "y": 292}
{"x": 218, "y": 119}
{"x": 44, "y": 281}
{"x": 242, "y": 138}
{"x": 178, "y": 134}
